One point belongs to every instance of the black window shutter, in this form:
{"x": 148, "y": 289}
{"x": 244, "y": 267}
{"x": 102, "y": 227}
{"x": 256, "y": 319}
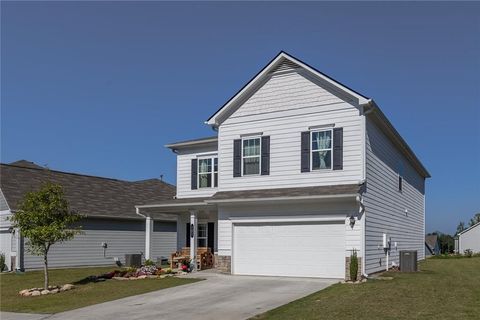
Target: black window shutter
{"x": 237, "y": 157}
{"x": 194, "y": 173}
{"x": 211, "y": 236}
{"x": 265, "y": 156}
{"x": 187, "y": 233}
{"x": 305, "y": 152}
{"x": 337, "y": 148}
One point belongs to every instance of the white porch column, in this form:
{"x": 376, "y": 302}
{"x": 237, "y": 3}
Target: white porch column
{"x": 18, "y": 258}
{"x": 148, "y": 237}
{"x": 193, "y": 239}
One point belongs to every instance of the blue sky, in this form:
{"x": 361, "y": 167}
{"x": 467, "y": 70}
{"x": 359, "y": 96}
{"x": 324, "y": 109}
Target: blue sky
{"x": 99, "y": 88}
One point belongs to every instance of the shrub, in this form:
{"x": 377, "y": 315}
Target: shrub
{"x": 353, "y": 265}
{"x": 3, "y": 267}
{"x": 149, "y": 263}
{"x": 468, "y": 253}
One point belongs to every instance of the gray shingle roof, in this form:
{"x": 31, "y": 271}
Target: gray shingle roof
{"x": 288, "y": 192}
{"x": 89, "y": 195}
{"x": 431, "y": 240}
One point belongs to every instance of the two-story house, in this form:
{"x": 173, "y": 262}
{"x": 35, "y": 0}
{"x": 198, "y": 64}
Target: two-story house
{"x": 302, "y": 172}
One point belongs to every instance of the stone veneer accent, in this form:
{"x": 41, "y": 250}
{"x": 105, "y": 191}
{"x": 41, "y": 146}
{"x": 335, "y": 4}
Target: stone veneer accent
{"x": 223, "y": 263}
{"x": 347, "y": 268}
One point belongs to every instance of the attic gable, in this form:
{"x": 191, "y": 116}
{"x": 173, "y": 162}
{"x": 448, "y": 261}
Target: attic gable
{"x": 283, "y": 62}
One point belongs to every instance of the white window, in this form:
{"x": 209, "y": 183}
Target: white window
{"x": 251, "y": 156}
{"x": 202, "y": 233}
{"x": 207, "y": 172}
{"x": 321, "y": 154}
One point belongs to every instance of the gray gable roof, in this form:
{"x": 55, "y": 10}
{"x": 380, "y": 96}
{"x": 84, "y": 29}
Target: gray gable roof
{"x": 431, "y": 240}
{"x": 89, "y": 195}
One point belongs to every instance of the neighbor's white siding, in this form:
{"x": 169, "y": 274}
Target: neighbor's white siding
{"x": 184, "y": 169}
{"x": 328, "y": 209}
{"x": 282, "y": 108}
{"x": 385, "y": 206}
{"x": 470, "y": 240}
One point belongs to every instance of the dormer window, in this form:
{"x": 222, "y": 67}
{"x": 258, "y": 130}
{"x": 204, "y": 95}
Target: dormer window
{"x": 321, "y": 149}
{"x": 251, "y": 156}
{"x": 207, "y": 172}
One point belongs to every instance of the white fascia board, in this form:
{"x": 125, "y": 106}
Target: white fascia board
{"x": 469, "y": 228}
{"x": 353, "y": 195}
{"x": 173, "y": 205}
{"x": 318, "y": 218}
{"x": 361, "y": 99}
{"x": 190, "y": 143}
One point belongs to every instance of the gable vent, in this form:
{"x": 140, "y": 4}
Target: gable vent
{"x": 285, "y": 65}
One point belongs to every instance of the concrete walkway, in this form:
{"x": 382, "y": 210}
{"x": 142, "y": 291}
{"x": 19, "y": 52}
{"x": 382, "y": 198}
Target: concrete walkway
{"x": 218, "y": 297}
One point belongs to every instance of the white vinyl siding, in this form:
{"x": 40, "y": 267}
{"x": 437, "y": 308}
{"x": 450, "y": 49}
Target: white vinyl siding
{"x": 400, "y": 215}
{"x": 282, "y": 108}
{"x": 470, "y": 240}
{"x": 184, "y": 167}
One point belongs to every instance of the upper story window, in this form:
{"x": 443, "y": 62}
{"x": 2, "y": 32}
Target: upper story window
{"x": 207, "y": 172}
{"x": 321, "y": 150}
{"x": 251, "y": 156}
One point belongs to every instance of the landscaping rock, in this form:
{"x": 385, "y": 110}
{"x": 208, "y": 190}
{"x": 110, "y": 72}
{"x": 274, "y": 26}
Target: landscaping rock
{"x": 55, "y": 291}
{"x": 120, "y": 278}
{"x": 27, "y": 294}
{"x": 67, "y": 287}
{"x": 44, "y": 292}
{"x": 36, "y": 293}
{"x": 22, "y": 292}
{"x": 142, "y": 277}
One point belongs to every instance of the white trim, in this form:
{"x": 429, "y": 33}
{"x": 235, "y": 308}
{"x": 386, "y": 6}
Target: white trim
{"x": 251, "y": 134}
{"x": 185, "y": 204}
{"x": 259, "y": 155}
{"x": 148, "y": 237}
{"x": 317, "y": 150}
{"x": 279, "y": 219}
{"x": 469, "y": 228}
{"x": 212, "y": 172}
{"x": 191, "y": 143}
{"x": 334, "y": 196}
{"x": 265, "y": 72}
{"x": 322, "y": 126}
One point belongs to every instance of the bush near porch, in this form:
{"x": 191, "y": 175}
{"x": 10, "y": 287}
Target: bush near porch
{"x": 83, "y": 294}
{"x": 443, "y": 289}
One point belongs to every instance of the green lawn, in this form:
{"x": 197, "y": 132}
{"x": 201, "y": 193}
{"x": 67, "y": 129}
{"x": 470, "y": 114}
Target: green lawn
{"x": 81, "y": 296}
{"x": 443, "y": 289}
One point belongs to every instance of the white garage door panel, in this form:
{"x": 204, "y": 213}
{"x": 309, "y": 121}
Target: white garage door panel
{"x": 315, "y": 249}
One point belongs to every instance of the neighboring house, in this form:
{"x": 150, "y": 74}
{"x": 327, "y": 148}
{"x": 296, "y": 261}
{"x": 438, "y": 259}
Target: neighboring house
{"x": 109, "y": 207}
{"x": 468, "y": 239}
{"x": 303, "y": 171}
{"x": 432, "y": 245}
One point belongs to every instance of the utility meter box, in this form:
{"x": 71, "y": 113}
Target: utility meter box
{"x": 408, "y": 261}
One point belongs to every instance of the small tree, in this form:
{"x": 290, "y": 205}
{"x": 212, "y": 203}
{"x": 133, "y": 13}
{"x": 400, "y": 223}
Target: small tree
{"x": 44, "y": 218}
{"x": 475, "y": 219}
{"x": 460, "y": 227}
{"x": 353, "y": 265}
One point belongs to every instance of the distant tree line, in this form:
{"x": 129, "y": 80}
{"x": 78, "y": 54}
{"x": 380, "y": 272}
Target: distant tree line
{"x": 447, "y": 242}
{"x": 462, "y": 226}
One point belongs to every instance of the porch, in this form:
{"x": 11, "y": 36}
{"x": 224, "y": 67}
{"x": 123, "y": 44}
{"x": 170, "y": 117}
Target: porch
{"x": 196, "y": 231}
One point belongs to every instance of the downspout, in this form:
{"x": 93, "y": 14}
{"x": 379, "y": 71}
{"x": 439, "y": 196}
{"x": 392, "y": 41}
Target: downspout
{"x": 361, "y": 212}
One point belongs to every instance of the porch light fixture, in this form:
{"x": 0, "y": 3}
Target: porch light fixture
{"x": 352, "y": 221}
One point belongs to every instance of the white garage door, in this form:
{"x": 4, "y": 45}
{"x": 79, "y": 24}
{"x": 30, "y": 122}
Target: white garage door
{"x": 314, "y": 249}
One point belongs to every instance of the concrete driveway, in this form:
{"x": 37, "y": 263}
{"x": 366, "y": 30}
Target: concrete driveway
{"x": 218, "y": 297}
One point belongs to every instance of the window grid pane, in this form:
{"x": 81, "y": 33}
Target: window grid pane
{"x": 321, "y": 150}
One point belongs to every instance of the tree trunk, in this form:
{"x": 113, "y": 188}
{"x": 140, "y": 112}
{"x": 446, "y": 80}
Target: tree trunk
{"x": 45, "y": 270}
